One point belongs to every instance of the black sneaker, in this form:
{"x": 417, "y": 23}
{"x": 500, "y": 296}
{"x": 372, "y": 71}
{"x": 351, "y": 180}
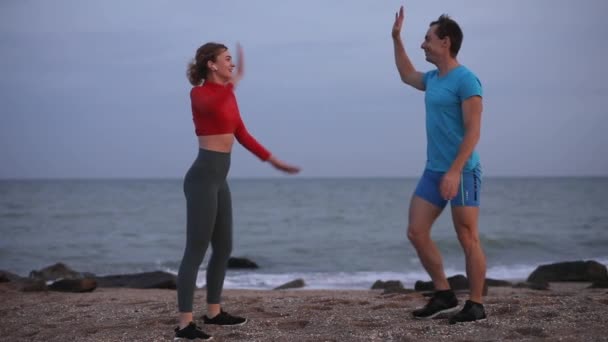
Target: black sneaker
{"x": 224, "y": 318}
{"x": 191, "y": 332}
{"x": 470, "y": 312}
{"x": 442, "y": 302}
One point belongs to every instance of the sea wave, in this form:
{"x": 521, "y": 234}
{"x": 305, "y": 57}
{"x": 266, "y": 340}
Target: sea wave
{"x": 358, "y": 280}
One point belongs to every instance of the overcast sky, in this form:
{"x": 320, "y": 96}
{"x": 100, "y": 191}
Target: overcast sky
{"x": 98, "y": 88}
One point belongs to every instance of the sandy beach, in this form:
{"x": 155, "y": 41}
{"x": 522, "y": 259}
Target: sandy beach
{"x": 566, "y": 312}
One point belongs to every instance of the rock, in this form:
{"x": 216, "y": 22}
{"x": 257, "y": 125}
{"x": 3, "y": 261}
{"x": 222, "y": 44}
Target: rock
{"x": 6, "y": 276}
{"x": 57, "y": 271}
{"x": 31, "y": 285}
{"x": 599, "y": 284}
{"x": 458, "y": 284}
{"x": 379, "y": 284}
{"x": 583, "y": 271}
{"x": 74, "y": 285}
{"x": 400, "y": 290}
{"x": 498, "y": 283}
{"x": 424, "y": 286}
{"x": 533, "y": 286}
{"x": 237, "y": 263}
{"x": 294, "y": 284}
{"x": 21, "y": 283}
{"x": 145, "y": 280}
{"x": 391, "y": 286}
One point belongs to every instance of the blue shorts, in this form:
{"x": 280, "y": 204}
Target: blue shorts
{"x": 469, "y": 188}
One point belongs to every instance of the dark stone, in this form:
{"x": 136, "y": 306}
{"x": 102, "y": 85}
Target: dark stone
{"x": 498, "y": 283}
{"x": 31, "y": 285}
{"x": 583, "y": 271}
{"x": 57, "y": 271}
{"x": 21, "y": 283}
{"x": 533, "y": 286}
{"x": 294, "y": 284}
{"x": 599, "y": 284}
{"x": 6, "y": 276}
{"x": 146, "y": 280}
{"x": 74, "y": 285}
{"x": 383, "y": 285}
{"x": 236, "y": 263}
{"x": 457, "y": 282}
{"x": 400, "y": 290}
{"x": 424, "y": 286}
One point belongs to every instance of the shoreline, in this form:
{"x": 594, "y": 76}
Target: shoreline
{"x": 566, "y": 312}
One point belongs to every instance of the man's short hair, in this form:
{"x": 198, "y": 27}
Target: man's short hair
{"x": 447, "y": 27}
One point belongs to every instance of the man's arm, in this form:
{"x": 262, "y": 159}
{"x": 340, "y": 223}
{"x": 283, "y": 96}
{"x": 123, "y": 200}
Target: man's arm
{"x": 471, "y": 113}
{"x": 406, "y": 69}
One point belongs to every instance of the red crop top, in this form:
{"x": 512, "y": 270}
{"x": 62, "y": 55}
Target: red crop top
{"x": 214, "y": 111}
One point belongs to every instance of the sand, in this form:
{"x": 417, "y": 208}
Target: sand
{"x": 567, "y": 312}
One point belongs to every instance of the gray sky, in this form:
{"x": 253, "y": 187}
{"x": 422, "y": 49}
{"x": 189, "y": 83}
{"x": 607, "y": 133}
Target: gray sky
{"x": 98, "y": 89}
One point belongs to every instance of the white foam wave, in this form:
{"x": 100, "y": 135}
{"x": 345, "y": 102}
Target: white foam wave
{"x": 356, "y": 280}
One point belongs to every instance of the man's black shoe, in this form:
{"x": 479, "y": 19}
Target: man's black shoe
{"x": 470, "y": 312}
{"x": 442, "y": 302}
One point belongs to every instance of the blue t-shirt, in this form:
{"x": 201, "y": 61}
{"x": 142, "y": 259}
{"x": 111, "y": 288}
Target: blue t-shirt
{"x": 444, "y": 122}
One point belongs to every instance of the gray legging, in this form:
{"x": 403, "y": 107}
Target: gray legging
{"x": 209, "y": 219}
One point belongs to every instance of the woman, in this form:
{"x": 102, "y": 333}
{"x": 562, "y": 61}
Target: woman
{"x": 217, "y": 123}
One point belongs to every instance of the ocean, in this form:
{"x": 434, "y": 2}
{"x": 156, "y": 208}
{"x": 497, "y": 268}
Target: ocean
{"x": 333, "y": 233}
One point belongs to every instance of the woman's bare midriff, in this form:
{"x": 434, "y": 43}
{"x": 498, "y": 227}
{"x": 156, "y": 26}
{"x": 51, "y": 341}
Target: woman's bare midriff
{"x": 217, "y": 143}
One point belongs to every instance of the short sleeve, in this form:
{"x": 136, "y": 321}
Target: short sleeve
{"x": 426, "y": 76}
{"x": 469, "y": 86}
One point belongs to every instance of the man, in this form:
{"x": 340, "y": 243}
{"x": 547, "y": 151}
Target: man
{"x": 453, "y": 173}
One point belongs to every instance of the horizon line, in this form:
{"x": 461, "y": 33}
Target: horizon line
{"x": 85, "y": 178}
